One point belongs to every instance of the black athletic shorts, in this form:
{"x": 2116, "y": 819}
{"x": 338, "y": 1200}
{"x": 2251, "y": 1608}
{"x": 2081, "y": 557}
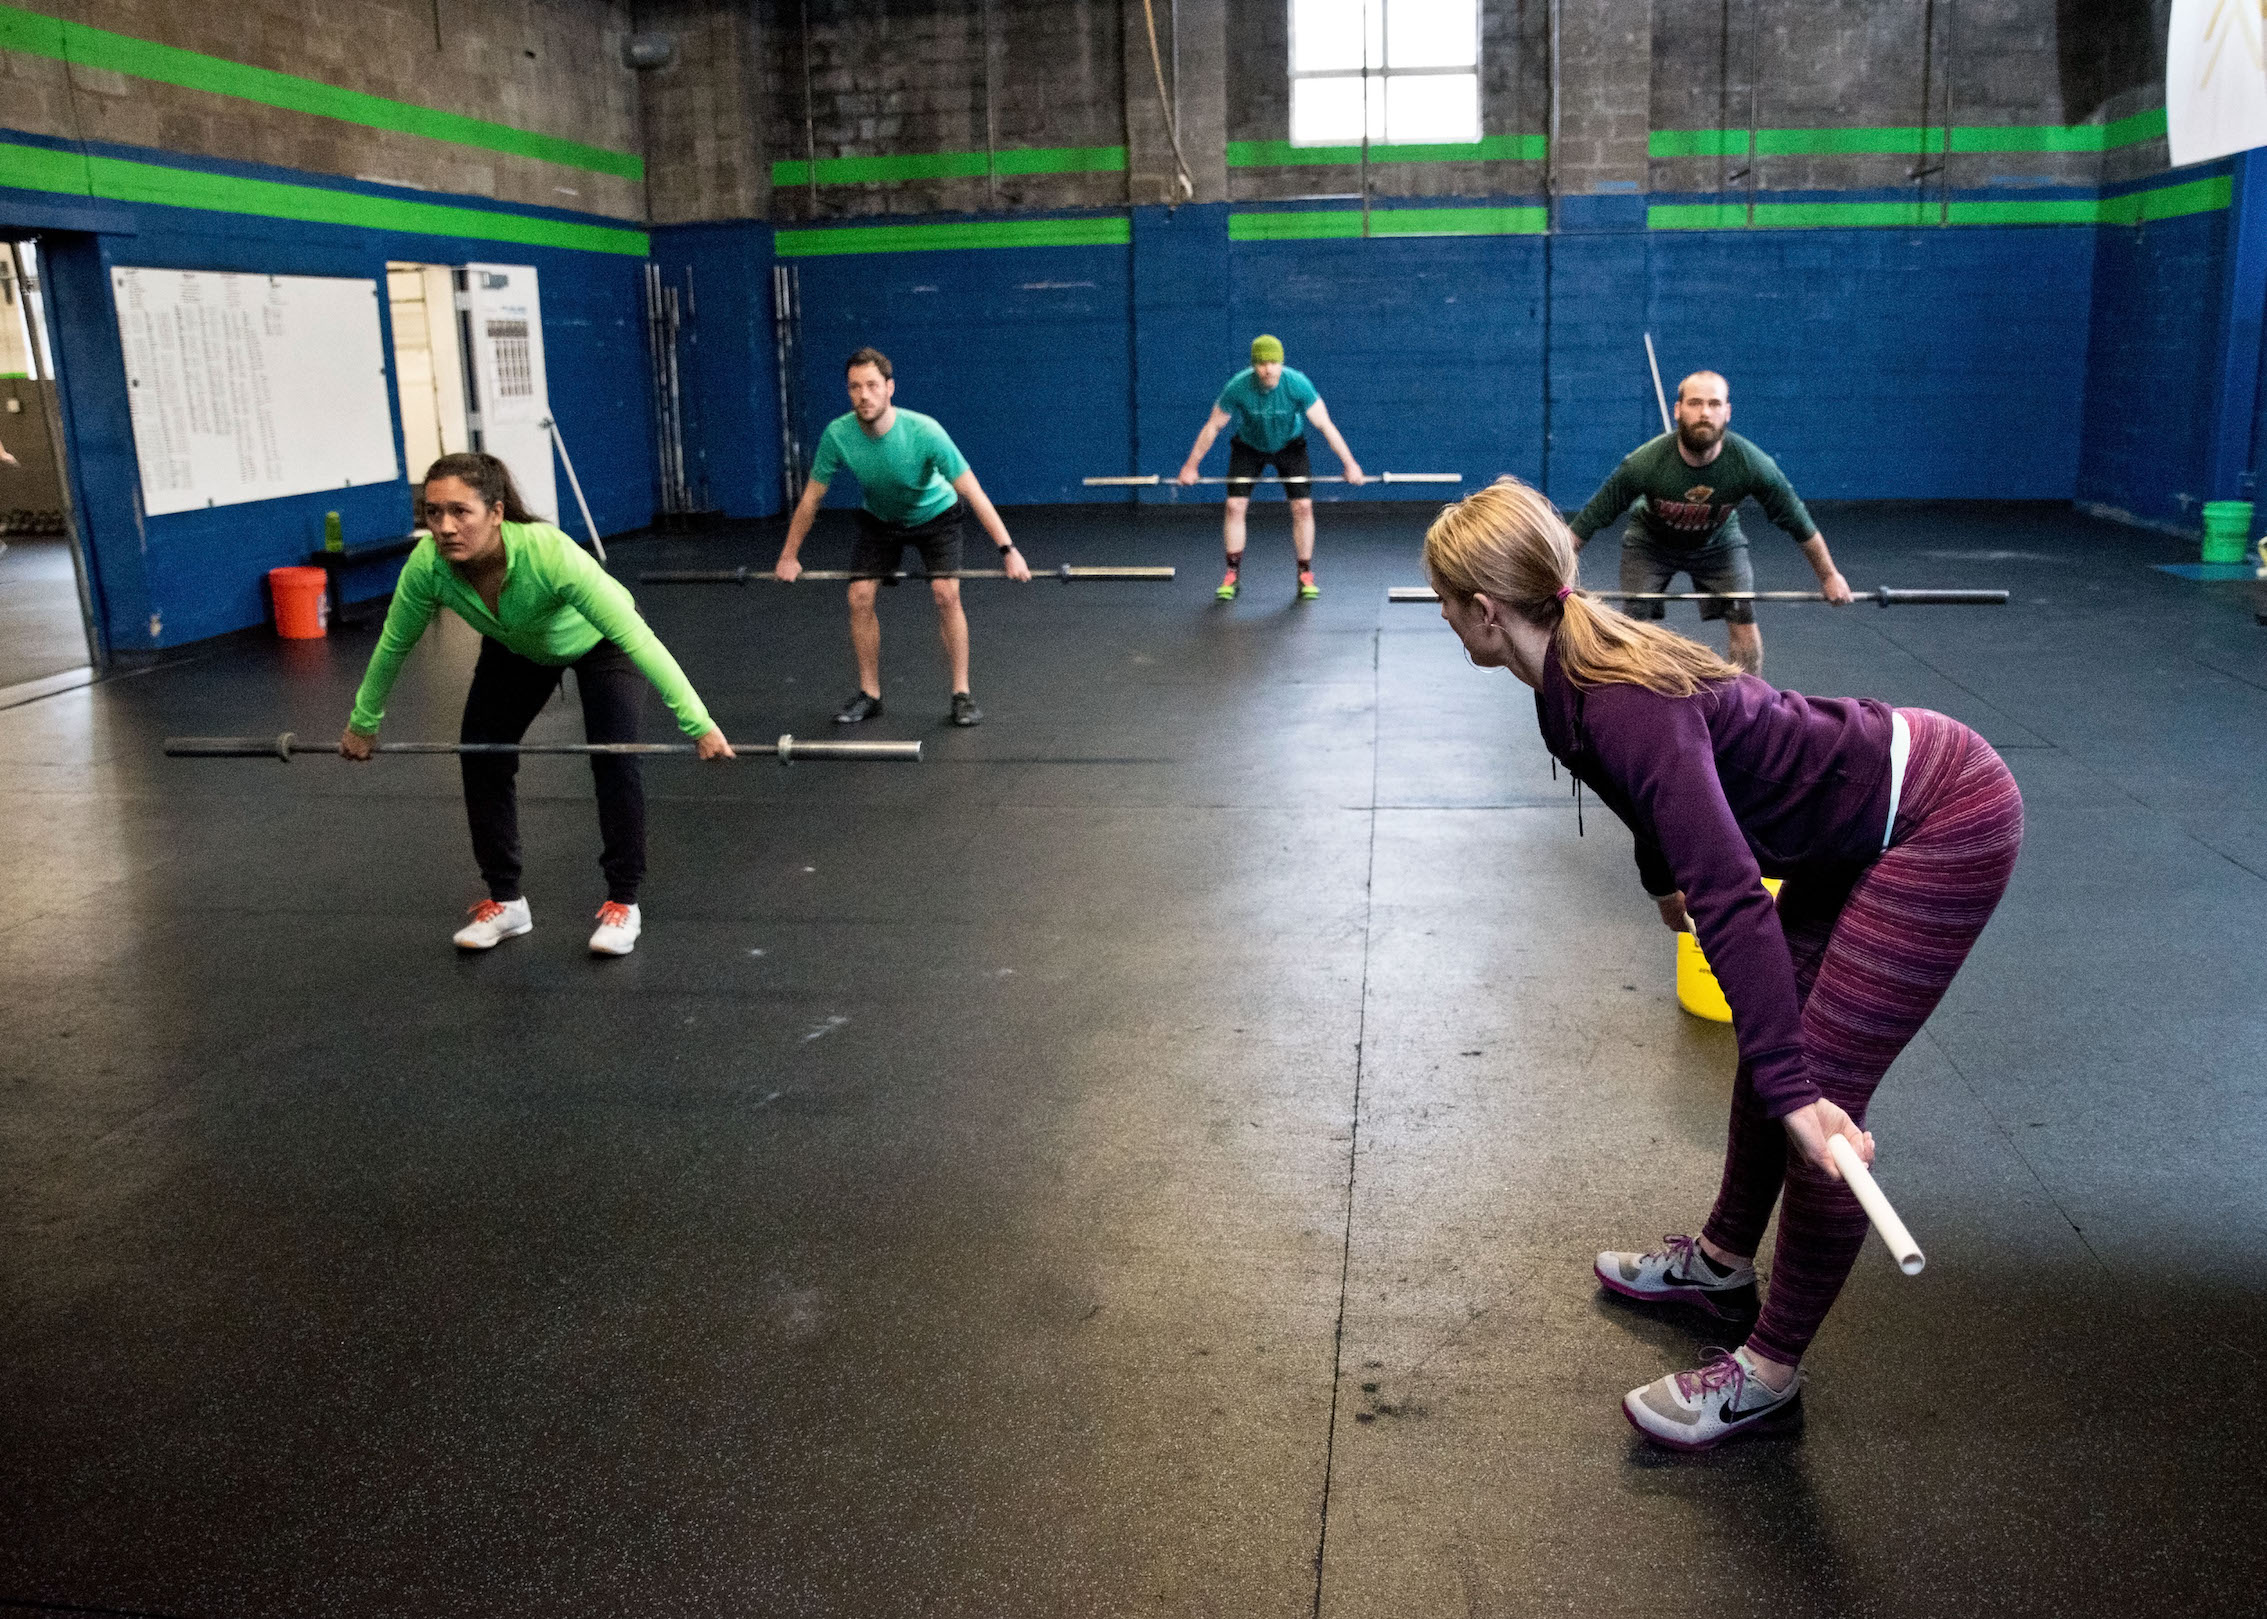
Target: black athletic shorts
{"x": 881, "y": 544}
{"x": 1244, "y": 464}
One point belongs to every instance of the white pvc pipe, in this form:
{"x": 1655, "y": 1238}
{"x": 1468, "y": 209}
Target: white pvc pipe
{"x": 1151, "y": 480}
{"x": 1659, "y": 398}
{"x": 1894, "y": 1236}
{"x": 596, "y": 544}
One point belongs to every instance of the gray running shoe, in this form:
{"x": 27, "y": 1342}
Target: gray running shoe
{"x": 1678, "y": 1273}
{"x": 1722, "y": 1399}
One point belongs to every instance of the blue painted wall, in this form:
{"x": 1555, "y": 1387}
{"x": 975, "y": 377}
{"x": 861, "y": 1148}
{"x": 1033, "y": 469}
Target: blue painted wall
{"x": 728, "y": 370}
{"x": 163, "y": 581}
{"x": 1885, "y": 364}
{"x": 2151, "y": 366}
{"x": 1428, "y": 351}
{"x": 1022, "y": 353}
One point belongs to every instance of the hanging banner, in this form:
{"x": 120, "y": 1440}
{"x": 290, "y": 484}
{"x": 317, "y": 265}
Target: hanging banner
{"x": 2215, "y": 79}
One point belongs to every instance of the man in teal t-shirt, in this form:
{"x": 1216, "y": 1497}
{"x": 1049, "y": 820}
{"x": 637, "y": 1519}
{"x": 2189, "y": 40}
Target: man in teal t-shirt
{"x": 1270, "y": 405}
{"x": 1688, "y": 486}
{"x": 915, "y": 484}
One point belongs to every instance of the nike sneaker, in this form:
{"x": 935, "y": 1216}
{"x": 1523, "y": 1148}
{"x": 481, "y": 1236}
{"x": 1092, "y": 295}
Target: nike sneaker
{"x": 1724, "y": 1398}
{"x": 1679, "y": 1273}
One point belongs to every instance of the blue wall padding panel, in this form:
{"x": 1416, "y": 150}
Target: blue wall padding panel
{"x": 163, "y": 581}
{"x": 2152, "y": 364}
{"x": 1601, "y": 404}
{"x": 1878, "y": 364}
{"x": 1022, "y": 353}
{"x": 1186, "y": 342}
{"x": 1428, "y": 351}
{"x": 728, "y": 364}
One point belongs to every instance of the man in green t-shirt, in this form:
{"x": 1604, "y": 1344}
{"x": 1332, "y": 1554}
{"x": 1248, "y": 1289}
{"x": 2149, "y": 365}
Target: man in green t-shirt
{"x": 915, "y": 485}
{"x": 1271, "y": 405}
{"x": 1688, "y": 486}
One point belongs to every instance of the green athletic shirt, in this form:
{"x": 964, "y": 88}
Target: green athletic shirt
{"x": 556, "y": 604}
{"x": 905, "y": 475}
{"x": 1268, "y": 418}
{"x": 1684, "y": 507}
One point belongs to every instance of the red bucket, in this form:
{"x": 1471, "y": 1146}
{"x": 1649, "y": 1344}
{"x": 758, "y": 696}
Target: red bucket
{"x": 303, "y": 603}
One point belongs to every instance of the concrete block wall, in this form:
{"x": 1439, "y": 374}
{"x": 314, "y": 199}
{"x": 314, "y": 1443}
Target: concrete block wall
{"x": 550, "y": 66}
{"x": 886, "y": 79}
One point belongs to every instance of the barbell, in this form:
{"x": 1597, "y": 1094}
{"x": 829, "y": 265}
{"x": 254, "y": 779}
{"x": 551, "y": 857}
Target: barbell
{"x": 1152, "y": 480}
{"x": 788, "y": 748}
{"x": 756, "y": 576}
{"x": 1883, "y": 596}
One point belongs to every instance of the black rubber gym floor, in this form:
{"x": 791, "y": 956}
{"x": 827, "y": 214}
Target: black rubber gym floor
{"x": 1145, "y": 1159}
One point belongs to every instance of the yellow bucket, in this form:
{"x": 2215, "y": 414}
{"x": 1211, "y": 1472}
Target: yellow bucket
{"x": 1697, "y": 989}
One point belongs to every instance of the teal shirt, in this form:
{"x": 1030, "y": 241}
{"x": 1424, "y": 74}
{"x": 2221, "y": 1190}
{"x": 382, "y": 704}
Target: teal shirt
{"x": 1269, "y": 418}
{"x": 905, "y": 475}
{"x": 555, "y": 606}
{"x": 1684, "y": 507}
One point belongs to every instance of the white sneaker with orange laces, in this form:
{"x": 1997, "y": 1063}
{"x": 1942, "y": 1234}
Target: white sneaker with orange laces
{"x": 618, "y": 929}
{"x": 494, "y": 922}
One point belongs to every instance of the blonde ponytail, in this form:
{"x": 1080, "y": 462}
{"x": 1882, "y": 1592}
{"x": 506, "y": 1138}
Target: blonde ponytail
{"x": 1507, "y": 542}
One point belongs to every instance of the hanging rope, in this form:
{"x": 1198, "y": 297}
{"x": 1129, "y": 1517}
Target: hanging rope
{"x": 1165, "y": 105}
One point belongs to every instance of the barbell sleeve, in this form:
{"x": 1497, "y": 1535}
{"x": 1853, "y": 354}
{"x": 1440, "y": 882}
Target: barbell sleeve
{"x": 1153, "y": 480}
{"x": 788, "y": 749}
{"x": 1067, "y": 573}
{"x": 1884, "y": 596}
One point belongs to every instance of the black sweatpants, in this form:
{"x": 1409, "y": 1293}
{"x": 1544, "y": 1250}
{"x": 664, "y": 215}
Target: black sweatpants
{"x": 508, "y": 691}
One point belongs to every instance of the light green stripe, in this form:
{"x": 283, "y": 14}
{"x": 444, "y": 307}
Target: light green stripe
{"x": 2169, "y": 202}
{"x": 1488, "y": 149}
{"x": 2133, "y": 208}
{"x": 1909, "y": 140}
{"x": 1312, "y": 225}
{"x": 34, "y": 168}
{"x": 1102, "y": 232}
{"x": 36, "y": 35}
{"x": 884, "y": 170}
{"x": 15, "y": 376}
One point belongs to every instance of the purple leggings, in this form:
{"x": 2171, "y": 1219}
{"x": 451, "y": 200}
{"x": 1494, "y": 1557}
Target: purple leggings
{"x": 1872, "y": 957}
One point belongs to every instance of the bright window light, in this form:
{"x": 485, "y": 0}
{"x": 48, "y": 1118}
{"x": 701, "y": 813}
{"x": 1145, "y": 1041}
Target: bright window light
{"x": 1405, "y": 69}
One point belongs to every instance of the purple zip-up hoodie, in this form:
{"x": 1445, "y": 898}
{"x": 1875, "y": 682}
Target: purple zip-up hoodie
{"x": 1721, "y": 789}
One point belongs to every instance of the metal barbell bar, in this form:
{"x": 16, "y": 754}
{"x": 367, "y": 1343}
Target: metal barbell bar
{"x": 759, "y": 576}
{"x": 788, "y": 749}
{"x": 1152, "y": 480}
{"x": 1883, "y": 596}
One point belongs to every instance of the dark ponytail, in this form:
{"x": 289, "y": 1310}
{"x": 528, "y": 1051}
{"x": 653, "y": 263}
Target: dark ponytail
{"x": 487, "y": 477}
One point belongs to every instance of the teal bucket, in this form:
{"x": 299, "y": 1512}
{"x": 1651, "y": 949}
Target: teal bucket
{"x": 2227, "y": 530}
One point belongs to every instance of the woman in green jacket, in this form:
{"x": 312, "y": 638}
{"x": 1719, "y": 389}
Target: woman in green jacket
{"x": 542, "y": 606}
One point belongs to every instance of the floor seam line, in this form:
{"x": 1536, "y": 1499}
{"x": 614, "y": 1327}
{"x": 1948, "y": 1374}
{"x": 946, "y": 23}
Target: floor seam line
{"x": 2021, "y": 1157}
{"x": 1354, "y": 1127}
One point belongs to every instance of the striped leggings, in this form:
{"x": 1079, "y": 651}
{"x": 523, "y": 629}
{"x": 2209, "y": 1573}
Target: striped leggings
{"x": 1873, "y": 956}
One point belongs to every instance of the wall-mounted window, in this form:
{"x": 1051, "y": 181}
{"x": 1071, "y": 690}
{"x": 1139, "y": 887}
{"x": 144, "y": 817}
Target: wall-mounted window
{"x": 1408, "y": 69}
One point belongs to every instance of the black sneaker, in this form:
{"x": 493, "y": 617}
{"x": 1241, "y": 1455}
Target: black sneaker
{"x": 964, "y": 710}
{"x": 859, "y": 710}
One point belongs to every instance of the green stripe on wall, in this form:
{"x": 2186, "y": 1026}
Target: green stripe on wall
{"x": 37, "y": 168}
{"x": 2133, "y": 208}
{"x": 35, "y": 35}
{"x": 1339, "y": 223}
{"x": 1909, "y": 140}
{"x": 1489, "y": 149}
{"x": 856, "y": 171}
{"x": 1104, "y": 232}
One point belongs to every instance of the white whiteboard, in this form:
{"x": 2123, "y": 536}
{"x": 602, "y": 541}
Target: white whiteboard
{"x": 2215, "y": 80}
{"x": 247, "y": 387}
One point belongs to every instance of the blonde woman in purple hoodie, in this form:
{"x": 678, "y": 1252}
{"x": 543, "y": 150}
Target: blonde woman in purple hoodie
{"x": 1895, "y": 831}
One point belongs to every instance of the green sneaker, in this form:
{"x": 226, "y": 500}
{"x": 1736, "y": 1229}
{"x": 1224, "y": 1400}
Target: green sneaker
{"x": 1227, "y": 590}
{"x": 1308, "y": 589}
